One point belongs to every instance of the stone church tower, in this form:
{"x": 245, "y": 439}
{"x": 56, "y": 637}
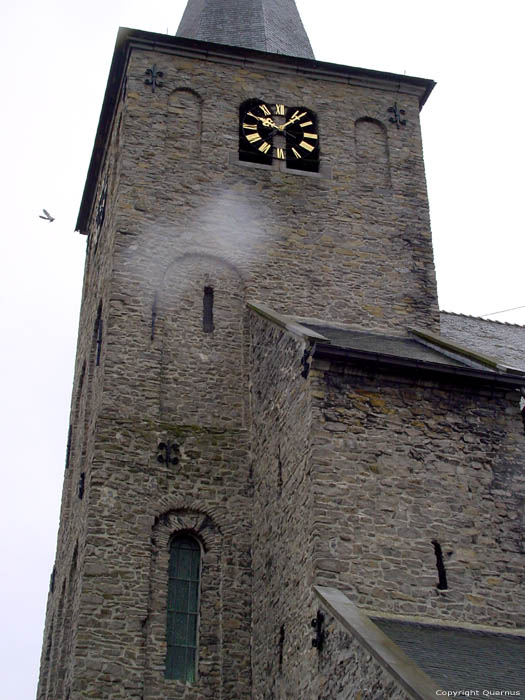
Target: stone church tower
{"x": 266, "y": 428}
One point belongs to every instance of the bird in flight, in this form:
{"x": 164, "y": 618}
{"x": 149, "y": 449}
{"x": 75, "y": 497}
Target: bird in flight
{"x": 47, "y": 216}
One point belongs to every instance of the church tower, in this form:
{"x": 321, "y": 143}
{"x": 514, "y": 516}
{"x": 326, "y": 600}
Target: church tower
{"x": 235, "y": 183}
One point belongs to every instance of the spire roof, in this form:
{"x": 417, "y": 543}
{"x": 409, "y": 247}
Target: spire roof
{"x": 266, "y": 25}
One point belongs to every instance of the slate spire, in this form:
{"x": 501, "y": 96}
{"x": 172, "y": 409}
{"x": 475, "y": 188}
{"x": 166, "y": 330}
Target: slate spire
{"x": 267, "y": 25}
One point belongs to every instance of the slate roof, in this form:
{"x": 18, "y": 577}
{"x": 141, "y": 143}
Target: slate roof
{"x": 393, "y": 346}
{"x": 266, "y": 25}
{"x": 505, "y": 341}
{"x": 458, "y": 659}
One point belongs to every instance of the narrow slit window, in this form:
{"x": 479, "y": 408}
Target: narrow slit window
{"x": 440, "y": 566}
{"x": 98, "y": 334}
{"x": 207, "y": 310}
{"x": 183, "y": 609}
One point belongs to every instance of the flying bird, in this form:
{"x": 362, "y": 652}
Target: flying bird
{"x": 47, "y": 216}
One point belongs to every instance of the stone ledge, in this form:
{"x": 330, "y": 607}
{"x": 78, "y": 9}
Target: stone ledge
{"x": 325, "y": 171}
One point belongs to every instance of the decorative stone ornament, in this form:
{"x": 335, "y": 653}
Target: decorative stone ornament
{"x": 153, "y": 78}
{"x": 169, "y": 453}
{"x": 397, "y": 119}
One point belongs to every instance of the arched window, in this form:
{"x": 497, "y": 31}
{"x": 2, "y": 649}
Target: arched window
{"x": 183, "y": 608}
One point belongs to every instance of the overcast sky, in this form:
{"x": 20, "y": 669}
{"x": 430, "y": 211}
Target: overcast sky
{"x": 56, "y": 57}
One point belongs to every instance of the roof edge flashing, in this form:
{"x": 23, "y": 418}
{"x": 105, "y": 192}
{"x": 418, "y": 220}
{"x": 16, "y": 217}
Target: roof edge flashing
{"x": 285, "y": 322}
{"x": 462, "y": 351}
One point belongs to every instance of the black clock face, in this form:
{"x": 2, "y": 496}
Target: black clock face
{"x": 269, "y": 131}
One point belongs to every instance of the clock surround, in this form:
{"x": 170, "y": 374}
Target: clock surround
{"x": 273, "y": 131}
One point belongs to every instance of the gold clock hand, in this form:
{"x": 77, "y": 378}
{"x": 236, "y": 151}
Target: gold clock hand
{"x": 293, "y": 119}
{"x": 265, "y": 121}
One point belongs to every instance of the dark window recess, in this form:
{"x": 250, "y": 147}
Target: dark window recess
{"x": 308, "y": 160}
{"x": 68, "y": 448}
{"x": 98, "y": 334}
{"x": 207, "y": 310}
{"x": 81, "y": 485}
{"x": 183, "y": 609}
{"x": 52, "y": 580}
{"x": 279, "y": 472}
{"x": 247, "y": 153}
{"x": 281, "y": 648}
{"x": 442, "y": 574}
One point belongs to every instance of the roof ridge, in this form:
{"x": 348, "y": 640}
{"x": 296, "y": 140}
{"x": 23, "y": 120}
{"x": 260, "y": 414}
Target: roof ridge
{"x": 480, "y": 318}
{"x": 263, "y": 13}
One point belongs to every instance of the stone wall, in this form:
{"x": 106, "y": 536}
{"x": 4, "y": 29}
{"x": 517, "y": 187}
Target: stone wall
{"x": 347, "y": 671}
{"x": 313, "y": 245}
{"x": 402, "y": 461}
{"x": 62, "y": 615}
{"x": 181, "y": 214}
{"x": 283, "y": 658}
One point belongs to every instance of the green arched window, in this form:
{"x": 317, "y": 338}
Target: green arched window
{"x": 183, "y": 608}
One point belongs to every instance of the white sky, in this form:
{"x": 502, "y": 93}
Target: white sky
{"x": 56, "y": 57}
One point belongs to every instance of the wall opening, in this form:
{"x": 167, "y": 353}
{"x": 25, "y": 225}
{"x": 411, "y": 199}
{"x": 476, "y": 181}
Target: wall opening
{"x": 207, "y": 310}
{"x": 183, "y": 608}
{"x": 98, "y": 334}
{"x": 281, "y": 648}
{"x": 440, "y": 565}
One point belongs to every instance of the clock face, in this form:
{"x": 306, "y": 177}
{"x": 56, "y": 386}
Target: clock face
{"x": 269, "y": 131}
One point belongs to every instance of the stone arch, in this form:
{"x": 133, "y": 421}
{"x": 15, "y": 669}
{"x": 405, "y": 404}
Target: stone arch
{"x": 196, "y": 507}
{"x": 192, "y": 520}
{"x": 183, "y": 124}
{"x": 204, "y": 384}
{"x": 201, "y": 525}
{"x": 372, "y": 152}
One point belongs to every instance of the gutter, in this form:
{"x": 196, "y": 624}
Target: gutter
{"x": 407, "y": 365}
